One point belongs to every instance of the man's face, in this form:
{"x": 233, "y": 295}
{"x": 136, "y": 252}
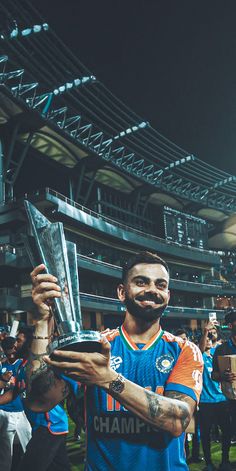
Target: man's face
{"x": 20, "y": 342}
{"x": 11, "y": 354}
{"x": 214, "y": 334}
{"x": 145, "y": 292}
{"x": 183, "y": 336}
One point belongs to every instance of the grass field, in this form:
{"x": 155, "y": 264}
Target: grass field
{"x": 77, "y": 452}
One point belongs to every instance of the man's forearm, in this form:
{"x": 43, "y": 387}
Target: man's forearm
{"x": 203, "y": 342}
{"x": 44, "y": 388}
{"x": 167, "y": 413}
{"x": 216, "y": 376}
{"x": 36, "y": 364}
{"x": 6, "y": 397}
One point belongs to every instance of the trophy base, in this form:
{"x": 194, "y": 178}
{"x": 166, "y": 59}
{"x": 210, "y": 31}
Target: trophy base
{"x": 87, "y": 341}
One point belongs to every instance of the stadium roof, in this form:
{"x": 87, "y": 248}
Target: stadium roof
{"x": 70, "y": 116}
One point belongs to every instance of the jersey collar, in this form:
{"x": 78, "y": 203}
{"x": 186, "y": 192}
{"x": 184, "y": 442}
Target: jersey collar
{"x": 132, "y": 346}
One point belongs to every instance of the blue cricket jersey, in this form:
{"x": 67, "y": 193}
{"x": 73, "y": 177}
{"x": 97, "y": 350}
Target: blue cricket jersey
{"x": 211, "y": 390}
{"x": 119, "y": 440}
{"x": 15, "y": 405}
{"x": 55, "y": 420}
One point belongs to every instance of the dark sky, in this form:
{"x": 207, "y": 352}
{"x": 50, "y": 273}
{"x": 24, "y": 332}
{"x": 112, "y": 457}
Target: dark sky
{"x": 173, "y": 62}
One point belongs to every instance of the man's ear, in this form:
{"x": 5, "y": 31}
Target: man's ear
{"x": 121, "y": 292}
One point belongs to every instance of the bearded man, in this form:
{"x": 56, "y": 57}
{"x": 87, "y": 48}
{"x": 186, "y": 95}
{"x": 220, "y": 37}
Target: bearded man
{"x": 143, "y": 387}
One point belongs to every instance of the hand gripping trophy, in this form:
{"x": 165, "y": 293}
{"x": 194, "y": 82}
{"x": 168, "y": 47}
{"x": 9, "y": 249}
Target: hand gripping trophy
{"x": 60, "y": 259}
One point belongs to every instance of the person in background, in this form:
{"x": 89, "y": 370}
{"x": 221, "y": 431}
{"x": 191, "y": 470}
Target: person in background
{"x": 227, "y": 348}
{"x": 13, "y": 420}
{"x": 209, "y": 332}
{"x": 182, "y": 333}
{"x": 213, "y": 409}
{"x": 47, "y": 448}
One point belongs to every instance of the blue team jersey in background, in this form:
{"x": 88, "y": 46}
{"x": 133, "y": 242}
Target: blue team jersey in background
{"x": 15, "y": 405}
{"x": 211, "y": 390}
{"x": 55, "y": 420}
{"x": 117, "y": 439}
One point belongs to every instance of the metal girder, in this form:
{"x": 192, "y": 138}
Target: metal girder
{"x": 89, "y": 136}
{"x": 225, "y": 181}
{"x": 22, "y": 89}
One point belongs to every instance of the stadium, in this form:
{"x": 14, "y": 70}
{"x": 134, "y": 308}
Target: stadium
{"x": 85, "y": 159}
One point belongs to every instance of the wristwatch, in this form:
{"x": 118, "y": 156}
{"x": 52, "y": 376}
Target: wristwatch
{"x": 117, "y": 385}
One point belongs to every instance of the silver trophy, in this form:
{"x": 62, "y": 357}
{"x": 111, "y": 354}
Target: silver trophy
{"x": 49, "y": 246}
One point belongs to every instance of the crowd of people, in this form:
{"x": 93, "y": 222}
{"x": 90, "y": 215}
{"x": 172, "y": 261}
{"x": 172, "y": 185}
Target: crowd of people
{"x": 142, "y": 389}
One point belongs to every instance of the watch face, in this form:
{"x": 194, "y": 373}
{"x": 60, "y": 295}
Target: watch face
{"x": 117, "y": 385}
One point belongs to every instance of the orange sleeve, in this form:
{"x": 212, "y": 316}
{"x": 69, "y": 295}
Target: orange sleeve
{"x": 186, "y": 376}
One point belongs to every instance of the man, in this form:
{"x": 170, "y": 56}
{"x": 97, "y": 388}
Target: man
{"x": 182, "y": 333}
{"x": 12, "y": 417}
{"x": 24, "y": 340}
{"x": 227, "y": 348}
{"x": 209, "y": 332}
{"x": 49, "y": 429}
{"x": 213, "y": 409}
{"x": 135, "y": 419}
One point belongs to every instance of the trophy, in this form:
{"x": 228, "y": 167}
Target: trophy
{"x": 49, "y": 246}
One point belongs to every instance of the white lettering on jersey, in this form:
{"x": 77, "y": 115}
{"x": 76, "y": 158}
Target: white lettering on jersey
{"x": 197, "y": 377}
{"x": 120, "y": 425}
{"x": 115, "y": 362}
{"x": 197, "y": 356}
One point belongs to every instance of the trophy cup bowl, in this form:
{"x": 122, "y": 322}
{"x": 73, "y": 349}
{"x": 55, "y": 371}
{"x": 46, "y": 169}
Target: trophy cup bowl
{"x": 48, "y": 245}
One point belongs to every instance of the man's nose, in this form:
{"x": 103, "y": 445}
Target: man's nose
{"x": 152, "y": 288}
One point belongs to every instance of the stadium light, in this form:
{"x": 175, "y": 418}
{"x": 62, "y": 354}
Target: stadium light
{"x": 66, "y": 87}
{"x": 25, "y": 32}
{"x": 132, "y": 129}
{"x": 220, "y": 183}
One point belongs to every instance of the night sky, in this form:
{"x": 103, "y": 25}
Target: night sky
{"x": 172, "y": 62}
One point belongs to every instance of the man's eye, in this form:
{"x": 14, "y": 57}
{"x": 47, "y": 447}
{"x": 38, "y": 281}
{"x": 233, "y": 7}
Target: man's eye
{"x": 162, "y": 286}
{"x": 140, "y": 282}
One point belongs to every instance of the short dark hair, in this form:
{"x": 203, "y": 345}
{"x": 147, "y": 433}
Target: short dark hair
{"x": 181, "y": 331}
{"x": 142, "y": 257}
{"x": 230, "y": 316}
{"x": 8, "y": 343}
{"x": 27, "y": 330}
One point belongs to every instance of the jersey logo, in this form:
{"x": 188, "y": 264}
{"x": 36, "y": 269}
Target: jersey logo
{"x": 115, "y": 362}
{"x": 164, "y": 363}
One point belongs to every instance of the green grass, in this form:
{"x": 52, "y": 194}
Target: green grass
{"x": 76, "y": 453}
{"x": 216, "y": 457}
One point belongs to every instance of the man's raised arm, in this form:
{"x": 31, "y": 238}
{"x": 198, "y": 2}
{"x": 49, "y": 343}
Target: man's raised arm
{"x": 44, "y": 389}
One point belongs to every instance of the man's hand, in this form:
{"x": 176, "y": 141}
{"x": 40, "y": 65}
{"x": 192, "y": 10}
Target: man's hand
{"x": 6, "y": 376}
{"x": 88, "y": 368}
{"x": 44, "y": 290}
{"x": 228, "y": 376}
{"x": 210, "y": 325}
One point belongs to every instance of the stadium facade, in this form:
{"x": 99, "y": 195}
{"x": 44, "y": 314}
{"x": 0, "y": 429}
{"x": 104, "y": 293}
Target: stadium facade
{"x": 83, "y": 158}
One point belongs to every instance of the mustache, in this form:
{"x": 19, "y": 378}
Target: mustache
{"x": 150, "y": 297}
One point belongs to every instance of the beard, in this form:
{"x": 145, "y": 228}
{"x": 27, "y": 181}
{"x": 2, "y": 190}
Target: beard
{"x": 147, "y": 313}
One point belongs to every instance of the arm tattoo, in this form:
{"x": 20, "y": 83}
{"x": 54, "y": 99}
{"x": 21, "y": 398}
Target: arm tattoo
{"x": 41, "y": 381}
{"x": 168, "y": 411}
{"x": 34, "y": 367}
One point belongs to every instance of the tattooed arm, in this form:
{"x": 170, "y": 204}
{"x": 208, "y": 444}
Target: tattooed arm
{"x": 171, "y": 412}
{"x": 44, "y": 388}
